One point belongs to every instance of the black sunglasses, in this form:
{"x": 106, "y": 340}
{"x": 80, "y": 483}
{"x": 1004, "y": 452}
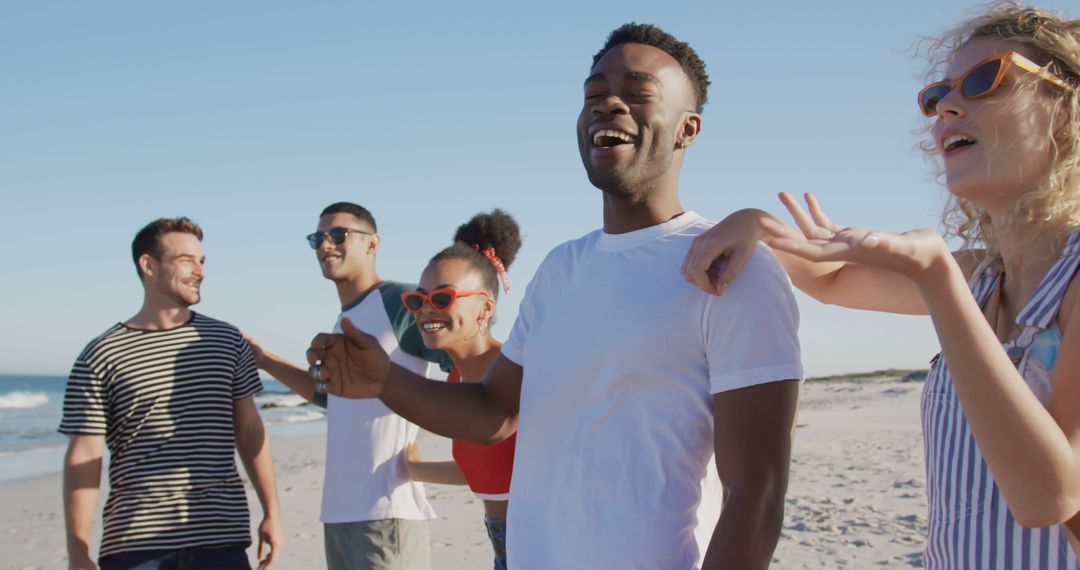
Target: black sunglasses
{"x": 337, "y": 235}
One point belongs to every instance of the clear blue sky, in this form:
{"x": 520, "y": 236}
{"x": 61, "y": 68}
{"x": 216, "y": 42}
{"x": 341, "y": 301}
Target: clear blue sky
{"x": 249, "y": 117}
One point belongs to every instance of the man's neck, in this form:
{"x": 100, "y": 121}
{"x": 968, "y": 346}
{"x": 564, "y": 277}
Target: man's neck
{"x": 623, "y": 215}
{"x": 350, "y": 289}
{"x": 159, "y": 316}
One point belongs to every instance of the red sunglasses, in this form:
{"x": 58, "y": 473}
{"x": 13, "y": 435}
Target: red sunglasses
{"x": 441, "y": 299}
{"x": 982, "y": 79}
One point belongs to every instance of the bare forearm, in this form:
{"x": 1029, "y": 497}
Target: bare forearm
{"x": 815, "y": 278}
{"x": 82, "y": 483}
{"x": 749, "y": 528}
{"x": 253, "y": 446}
{"x": 297, "y": 379}
{"x": 853, "y": 285}
{"x": 458, "y": 411}
{"x": 1027, "y": 451}
{"x": 754, "y": 471}
{"x": 440, "y": 472}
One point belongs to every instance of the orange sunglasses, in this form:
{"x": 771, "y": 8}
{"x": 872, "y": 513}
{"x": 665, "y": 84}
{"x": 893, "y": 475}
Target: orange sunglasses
{"x": 982, "y": 79}
{"x": 441, "y": 299}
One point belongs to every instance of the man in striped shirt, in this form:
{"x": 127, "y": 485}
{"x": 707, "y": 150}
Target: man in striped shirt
{"x": 170, "y": 392}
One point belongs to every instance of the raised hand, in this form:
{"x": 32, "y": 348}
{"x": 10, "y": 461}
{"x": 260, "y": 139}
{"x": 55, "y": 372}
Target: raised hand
{"x": 911, "y": 253}
{"x": 353, "y": 364}
{"x": 716, "y": 256}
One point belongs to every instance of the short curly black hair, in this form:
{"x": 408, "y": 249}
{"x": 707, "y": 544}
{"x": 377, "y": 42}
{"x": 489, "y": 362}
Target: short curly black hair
{"x": 497, "y": 230}
{"x": 650, "y": 35}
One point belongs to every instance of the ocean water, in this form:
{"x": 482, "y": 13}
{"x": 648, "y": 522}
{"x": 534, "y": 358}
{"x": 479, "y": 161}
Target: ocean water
{"x": 31, "y": 406}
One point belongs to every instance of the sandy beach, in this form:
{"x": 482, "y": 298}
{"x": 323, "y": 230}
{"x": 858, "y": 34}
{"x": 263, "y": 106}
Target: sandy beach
{"x": 856, "y": 497}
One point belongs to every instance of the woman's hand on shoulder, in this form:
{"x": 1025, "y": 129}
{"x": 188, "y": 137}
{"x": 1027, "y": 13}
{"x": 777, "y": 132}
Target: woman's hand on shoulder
{"x": 716, "y": 256}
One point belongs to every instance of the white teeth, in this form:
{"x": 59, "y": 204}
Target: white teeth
{"x": 433, "y": 326}
{"x": 612, "y": 134}
{"x": 953, "y": 141}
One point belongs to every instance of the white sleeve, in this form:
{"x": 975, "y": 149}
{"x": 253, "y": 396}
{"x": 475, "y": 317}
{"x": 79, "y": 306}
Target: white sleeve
{"x": 751, "y": 332}
{"x": 528, "y": 311}
{"x": 514, "y": 347}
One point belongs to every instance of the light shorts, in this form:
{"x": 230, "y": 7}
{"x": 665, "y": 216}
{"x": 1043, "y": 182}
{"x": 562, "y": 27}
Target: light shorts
{"x": 388, "y": 544}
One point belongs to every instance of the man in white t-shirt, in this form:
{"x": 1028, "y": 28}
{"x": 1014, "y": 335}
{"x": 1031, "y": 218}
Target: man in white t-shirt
{"x": 374, "y": 516}
{"x": 622, "y": 379}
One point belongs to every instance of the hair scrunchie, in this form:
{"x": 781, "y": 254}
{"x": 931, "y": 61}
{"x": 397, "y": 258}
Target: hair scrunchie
{"x": 493, "y": 258}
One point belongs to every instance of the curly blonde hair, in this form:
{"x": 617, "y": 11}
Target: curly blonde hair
{"x": 1056, "y": 42}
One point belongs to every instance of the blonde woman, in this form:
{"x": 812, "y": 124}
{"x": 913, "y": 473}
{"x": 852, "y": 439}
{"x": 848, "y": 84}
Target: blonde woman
{"x": 1001, "y": 405}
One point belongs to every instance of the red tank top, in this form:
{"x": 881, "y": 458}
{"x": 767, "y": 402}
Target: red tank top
{"x": 486, "y": 468}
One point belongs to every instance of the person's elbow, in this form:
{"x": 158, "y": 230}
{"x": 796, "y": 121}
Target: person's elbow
{"x": 760, "y": 492}
{"x": 1046, "y": 510}
{"x": 83, "y": 449}
{"x": 249, "y": 432}
{"x": 494, "y": 431}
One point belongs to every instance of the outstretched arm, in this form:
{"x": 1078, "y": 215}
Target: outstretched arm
{"x": 1032, "y": 451}
{"x": 253, "y": 446}
{"x": 753, "y": 470}
{"x": 441, "y": 472}
{"x": 716, "y": 256}
{"x": 82, "y": 484}
{"x": 297, "y": 379}
{"x": 354, "y": 365}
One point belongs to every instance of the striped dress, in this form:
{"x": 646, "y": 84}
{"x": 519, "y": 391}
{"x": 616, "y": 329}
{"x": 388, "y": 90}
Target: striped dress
{"x": 970, "y": 526}
{"x": 164, "y": 402}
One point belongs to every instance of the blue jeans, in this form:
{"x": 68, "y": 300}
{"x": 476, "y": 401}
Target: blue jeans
{"x": 497, "y": 533}
{"x": 214, "y": 558}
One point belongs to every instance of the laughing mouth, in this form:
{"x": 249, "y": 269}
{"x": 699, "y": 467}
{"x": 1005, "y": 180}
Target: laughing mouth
{"x": 433, "y": 326}
{"x": 608, "y": 138}
{"x": 953, "y": 142}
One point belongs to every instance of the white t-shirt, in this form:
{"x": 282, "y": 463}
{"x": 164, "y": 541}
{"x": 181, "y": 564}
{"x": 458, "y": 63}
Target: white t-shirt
{"x": 366, "y": 478}
{"x": 621, "y": 357}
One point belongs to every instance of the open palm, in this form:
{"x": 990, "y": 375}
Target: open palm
{"x": 911, "y": 253}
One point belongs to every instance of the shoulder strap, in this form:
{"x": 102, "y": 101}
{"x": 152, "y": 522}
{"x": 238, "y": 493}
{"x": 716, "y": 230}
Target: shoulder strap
{"x": 984, "y": 279}
{"x": 1043, "y": 306}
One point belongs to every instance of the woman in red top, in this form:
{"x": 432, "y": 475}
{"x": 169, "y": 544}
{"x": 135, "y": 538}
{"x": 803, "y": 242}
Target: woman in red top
{"x": 454, "y": 307}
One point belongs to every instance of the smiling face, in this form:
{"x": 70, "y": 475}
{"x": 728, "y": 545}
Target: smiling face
{"x": 176, "y": 274}
{"x": 634, "y": 119}
{"x": 466, "y": 320}
{"x": 350, "y": 259}
{"x": 996, "y": 147}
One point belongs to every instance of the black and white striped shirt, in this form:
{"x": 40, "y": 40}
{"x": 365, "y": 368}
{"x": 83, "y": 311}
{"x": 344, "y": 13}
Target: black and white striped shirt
{"x": 164, "y": 402}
